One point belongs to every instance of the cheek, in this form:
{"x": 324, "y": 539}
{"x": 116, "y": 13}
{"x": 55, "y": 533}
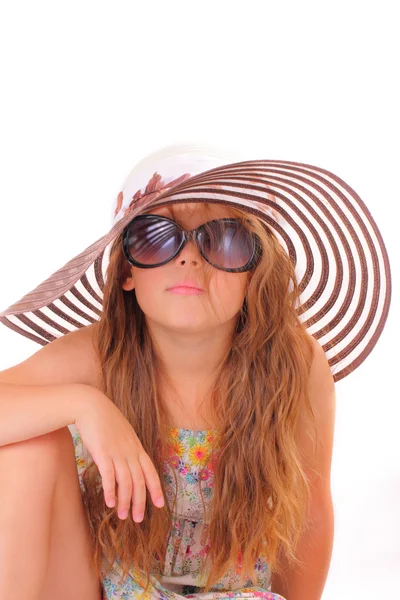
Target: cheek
{"x": 229, "y": 289}
{"x": 149, "y": 279}
{"x": 149, "y": 287}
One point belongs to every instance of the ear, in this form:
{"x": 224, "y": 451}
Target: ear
{"x": 129, "y": 282}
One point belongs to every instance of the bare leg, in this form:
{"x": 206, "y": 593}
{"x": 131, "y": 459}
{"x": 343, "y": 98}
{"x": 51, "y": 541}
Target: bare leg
{"x": 44, "y": 540}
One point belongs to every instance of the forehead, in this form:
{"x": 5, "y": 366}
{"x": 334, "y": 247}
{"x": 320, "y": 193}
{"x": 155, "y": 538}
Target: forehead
{"x": 192, "y": 213}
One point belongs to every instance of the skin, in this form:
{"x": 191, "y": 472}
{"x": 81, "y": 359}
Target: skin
{"x": 191, "y": 334}
{"x": 44, "y": 543}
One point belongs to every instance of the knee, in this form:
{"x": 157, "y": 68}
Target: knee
{"x": 32, "y": 468}
{"x": 55, "y": 443}
{"x": 58, "y": 436}
{"x": 49, "y": 446}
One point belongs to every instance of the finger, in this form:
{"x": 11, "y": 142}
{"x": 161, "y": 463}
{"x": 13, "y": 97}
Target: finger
{"x": 139, "y": 491}
{"x": 124, "y": 480}
{"x": 106, "y": 469}
{"x": 152, "y": 479}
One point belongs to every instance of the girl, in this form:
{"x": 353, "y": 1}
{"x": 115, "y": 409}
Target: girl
{"x": 199, "y": 381}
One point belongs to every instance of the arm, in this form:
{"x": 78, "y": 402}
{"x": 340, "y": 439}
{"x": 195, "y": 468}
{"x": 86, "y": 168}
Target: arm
{"x": 315, "y": 547}
{"x": 27, "y": 411}
{"x": 44, "y": 392}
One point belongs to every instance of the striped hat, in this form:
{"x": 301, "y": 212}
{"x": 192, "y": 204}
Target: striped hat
{"x": 341, "y": 263}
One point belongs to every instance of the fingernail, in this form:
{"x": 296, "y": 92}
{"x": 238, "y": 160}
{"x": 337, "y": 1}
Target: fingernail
{"x": 160, "y": 502}
{"x": 139, "y": 518}
{"x": 123, "y": 514}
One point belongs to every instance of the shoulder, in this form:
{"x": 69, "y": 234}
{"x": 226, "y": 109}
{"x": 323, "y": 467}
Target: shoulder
{"x": 321, "y": 387}
{"x": 71, "y": 358}
{"x": 320, "y": 372}
{"x": 85, "y": 342}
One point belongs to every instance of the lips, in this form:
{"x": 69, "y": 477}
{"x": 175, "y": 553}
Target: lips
{"x": 186, "y": 284}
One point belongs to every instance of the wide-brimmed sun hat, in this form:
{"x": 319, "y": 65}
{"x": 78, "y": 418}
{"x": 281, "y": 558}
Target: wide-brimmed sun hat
{"x": 341, "y": 263}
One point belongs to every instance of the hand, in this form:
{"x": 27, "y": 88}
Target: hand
{"x": 119, "y": 455}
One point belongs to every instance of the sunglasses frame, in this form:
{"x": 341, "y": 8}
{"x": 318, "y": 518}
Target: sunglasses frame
{"x": 188, "y": 235}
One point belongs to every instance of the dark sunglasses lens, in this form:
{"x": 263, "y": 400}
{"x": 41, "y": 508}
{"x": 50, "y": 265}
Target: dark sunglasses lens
{"x": 152, "y": 241}
{"x": 226, "y": 245}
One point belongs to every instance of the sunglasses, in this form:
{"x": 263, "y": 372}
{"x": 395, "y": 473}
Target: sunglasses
{"x": 152, "y": 241}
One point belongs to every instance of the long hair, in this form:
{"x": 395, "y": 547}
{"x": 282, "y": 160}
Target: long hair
{"x": 261, "y": 492}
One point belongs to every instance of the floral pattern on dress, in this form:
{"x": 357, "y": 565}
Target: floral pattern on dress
{"x": 190, "y": 452}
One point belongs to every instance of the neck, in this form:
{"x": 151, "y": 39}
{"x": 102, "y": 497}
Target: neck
{"x": 191, "y": 360}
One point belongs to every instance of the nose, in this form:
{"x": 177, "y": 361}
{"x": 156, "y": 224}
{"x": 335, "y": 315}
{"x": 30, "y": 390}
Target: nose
{"x": 189, "y": 253}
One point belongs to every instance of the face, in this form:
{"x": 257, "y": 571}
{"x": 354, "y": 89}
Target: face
{"x": 210, "y": 308}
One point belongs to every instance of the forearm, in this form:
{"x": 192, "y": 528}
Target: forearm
{"x": 315, "y": 550}
{"x": 27, "y": 411}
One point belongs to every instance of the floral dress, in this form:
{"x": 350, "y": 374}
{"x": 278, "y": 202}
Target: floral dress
{"x": 186, "y": 548}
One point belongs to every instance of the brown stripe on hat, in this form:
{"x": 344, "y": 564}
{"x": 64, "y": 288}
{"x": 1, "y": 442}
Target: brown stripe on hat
{"x": 40, "y": 314}
{"x": 82, "y": 298}
{"x": 27, "y": 334}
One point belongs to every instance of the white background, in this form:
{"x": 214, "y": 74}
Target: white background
{"x": 90, "y": 88}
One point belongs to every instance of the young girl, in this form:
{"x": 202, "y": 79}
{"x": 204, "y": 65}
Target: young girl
{"x": 196, "y": 380}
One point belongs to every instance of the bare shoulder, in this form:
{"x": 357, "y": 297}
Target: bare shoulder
{"x": 320, "y": 369}
{"x": 71, "y": 358}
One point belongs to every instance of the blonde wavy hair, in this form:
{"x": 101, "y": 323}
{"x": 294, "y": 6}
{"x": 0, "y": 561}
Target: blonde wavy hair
{"x": 261, "y": 492}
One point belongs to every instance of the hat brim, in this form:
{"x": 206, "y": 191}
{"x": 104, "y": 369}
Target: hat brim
{"x": 340, "y": 259}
